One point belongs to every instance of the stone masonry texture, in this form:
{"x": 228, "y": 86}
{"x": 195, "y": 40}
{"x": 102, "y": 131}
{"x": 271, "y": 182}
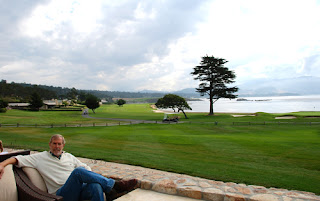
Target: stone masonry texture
{"x": 195, "y": 187}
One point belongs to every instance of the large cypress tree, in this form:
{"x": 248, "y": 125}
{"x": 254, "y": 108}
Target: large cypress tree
{"x": 214, "y": 77}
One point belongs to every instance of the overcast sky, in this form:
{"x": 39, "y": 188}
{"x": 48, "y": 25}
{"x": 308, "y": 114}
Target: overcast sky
{"x": 133, "y": 45}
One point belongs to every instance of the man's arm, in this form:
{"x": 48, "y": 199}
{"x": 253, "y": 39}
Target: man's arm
{"x": 3, "y": 164}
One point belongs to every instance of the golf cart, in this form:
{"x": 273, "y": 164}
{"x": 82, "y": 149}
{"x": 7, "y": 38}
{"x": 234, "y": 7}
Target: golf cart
{"x": 170, "y": 117}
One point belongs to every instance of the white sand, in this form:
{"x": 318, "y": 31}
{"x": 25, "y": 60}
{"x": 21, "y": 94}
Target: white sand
{"x": 286, "y": 117}
{"x": 244, "y": 115}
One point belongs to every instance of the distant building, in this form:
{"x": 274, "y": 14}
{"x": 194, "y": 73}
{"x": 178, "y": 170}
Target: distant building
{"x": 51, "y": 103}
{"x": 47, "y": 104}
{"x": 18, "y": 105}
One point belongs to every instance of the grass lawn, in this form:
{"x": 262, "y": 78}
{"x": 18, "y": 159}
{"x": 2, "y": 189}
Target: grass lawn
{"x": 45, "y": 117}
{"x": 283, "y": 156}
{"x": 128, "y": 111}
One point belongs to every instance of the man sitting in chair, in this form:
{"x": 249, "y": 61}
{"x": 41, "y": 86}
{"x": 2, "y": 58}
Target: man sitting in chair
{"x": 66, "y": 176}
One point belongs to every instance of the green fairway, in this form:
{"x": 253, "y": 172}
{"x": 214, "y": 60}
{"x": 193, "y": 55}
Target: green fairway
{"x": 44, "y": 117}
{"x": 128, "y": 111}
{"x": 139, "y": 112}
{"x": 283, "y": 156}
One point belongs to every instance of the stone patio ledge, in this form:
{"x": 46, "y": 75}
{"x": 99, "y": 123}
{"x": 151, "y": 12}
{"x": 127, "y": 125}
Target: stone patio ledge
{"x": 195, "y": 187}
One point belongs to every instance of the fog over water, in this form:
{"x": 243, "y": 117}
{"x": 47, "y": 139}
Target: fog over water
{"x": 279, "y": 104}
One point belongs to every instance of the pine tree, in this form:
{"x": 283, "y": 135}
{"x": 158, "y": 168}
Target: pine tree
{"x": 214, "y": 77}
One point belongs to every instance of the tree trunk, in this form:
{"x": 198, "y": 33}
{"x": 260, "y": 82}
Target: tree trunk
{"x": 211, "y": 103}
{"x": 211, "y": 107}
{"x": 93, "y": 111}
{"x": 184, "y": 114}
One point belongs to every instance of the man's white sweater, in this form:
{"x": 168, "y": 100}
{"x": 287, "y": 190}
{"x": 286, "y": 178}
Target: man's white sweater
{"x": 54, "y": 171}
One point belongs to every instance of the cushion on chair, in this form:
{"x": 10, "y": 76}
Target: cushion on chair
{"x": 8, "y": 188}
{"x": 35, "y": 177}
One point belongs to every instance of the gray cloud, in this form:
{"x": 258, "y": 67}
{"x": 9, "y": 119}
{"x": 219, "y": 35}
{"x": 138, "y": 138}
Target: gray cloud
{"x": 106, "y": 48}
{"x": 12, "y": 11}
{"x": 134, "y": 44}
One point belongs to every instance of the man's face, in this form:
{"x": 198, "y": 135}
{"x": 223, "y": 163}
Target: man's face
{"x": 56, "y": 146}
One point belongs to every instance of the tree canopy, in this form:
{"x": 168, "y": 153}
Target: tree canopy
{"x": 92, "y": 102}
{"x": 3, "y": 105}
{"x": 35, "y": 101}
{"x": 214, "y": 77}
{"x": 120, "y": 102}
{"x": 174, "y": 102}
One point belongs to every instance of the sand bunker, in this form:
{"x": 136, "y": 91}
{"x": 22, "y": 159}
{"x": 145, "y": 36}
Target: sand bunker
{"x": 286, "y": 117}
{"x": 158, "y": 111}
{"x": 244, "y": 115}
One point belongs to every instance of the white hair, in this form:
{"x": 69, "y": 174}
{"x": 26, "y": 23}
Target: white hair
{"x": 58, "y": 136}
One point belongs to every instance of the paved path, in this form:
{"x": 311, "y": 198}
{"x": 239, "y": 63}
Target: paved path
{"x": 132, "y": 121}
{"x": 195, "y": 187}
{"x": 119, "y": 119}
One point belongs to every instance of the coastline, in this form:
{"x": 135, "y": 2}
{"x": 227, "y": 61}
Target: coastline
{"x": 274, "y": 105}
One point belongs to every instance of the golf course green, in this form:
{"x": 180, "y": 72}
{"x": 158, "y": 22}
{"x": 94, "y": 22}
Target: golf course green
{"x": 256, "y": 150}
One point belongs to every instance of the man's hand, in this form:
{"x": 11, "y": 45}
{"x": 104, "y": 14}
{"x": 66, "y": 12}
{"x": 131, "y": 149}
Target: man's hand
{"x": 1, "y": 170}
{"x": 3, "y": 164}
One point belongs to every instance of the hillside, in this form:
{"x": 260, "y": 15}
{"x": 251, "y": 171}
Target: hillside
{"x": 307, "y": 85}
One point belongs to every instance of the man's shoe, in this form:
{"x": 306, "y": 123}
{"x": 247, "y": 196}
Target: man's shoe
{"x": 122, "y": 186}
{"x": 111, "y": 195}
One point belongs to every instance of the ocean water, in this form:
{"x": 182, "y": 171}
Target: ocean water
{"x": 279, "y": 104}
